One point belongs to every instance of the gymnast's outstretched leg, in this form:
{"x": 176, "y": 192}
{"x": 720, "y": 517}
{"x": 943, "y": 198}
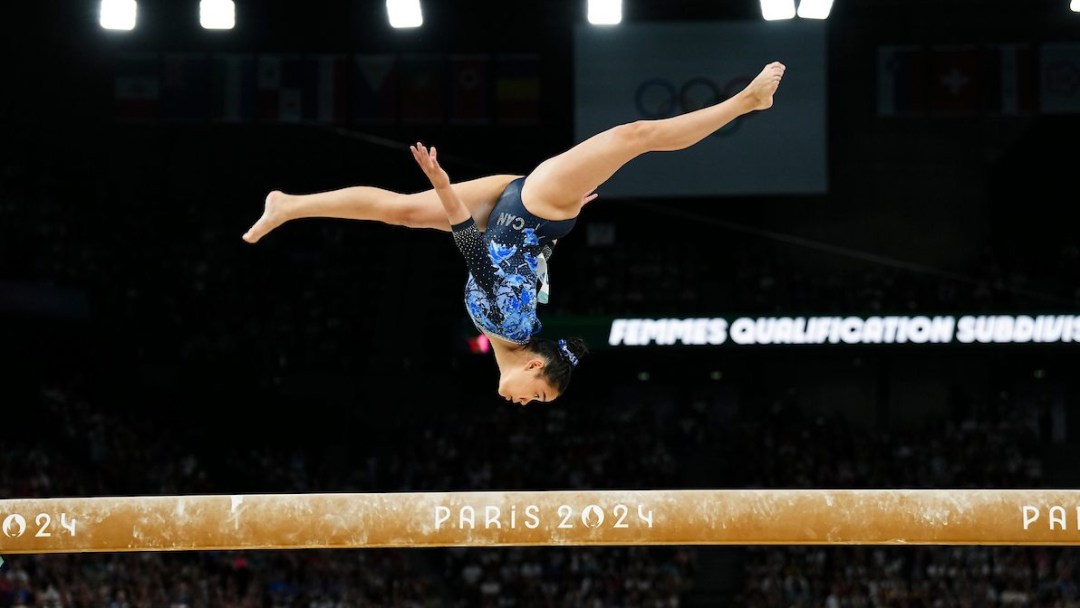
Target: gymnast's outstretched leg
{"x": 420, "y": 210}
{"x": 554, "y": 189}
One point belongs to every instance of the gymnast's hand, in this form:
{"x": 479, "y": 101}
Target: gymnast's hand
{"x": 429, "y": 162}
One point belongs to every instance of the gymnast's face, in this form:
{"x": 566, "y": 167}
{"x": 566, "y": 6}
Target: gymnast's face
{"x": 525, "y": 384}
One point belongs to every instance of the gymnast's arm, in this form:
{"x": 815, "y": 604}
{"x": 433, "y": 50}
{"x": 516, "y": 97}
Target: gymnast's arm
{"x": 456, "y": 211}
{"x": 466, "y": 235}
{"x": 470, "y": 242}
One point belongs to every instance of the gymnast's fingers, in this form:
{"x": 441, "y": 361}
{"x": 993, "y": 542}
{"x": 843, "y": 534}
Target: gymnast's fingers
{"x": 421, "y": 155}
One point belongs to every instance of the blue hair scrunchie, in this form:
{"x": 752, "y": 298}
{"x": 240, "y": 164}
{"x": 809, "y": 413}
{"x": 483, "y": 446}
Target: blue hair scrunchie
{"x": 565, "y": 350}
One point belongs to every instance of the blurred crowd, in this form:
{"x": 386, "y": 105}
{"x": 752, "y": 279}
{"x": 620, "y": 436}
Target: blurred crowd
{"x": 836, "y": 577}
{"x": 657, "y": 437}
{"x": 617, "y": 270}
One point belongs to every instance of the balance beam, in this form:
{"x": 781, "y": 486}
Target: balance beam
{"x": 522, "y": 518}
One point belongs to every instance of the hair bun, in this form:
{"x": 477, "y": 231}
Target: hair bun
{"x": 567, "y": 353}
{"x": 572, "y": 349}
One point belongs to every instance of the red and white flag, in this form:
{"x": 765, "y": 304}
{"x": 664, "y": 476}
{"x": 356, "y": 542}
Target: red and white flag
{"x": 956, "y": 86}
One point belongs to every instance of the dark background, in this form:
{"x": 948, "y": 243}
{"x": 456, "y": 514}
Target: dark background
{"x": 147, "y": 349}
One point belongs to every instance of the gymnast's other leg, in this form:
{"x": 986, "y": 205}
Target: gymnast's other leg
{"x": 420, "y": 210}
{"x": 555, "y": 188}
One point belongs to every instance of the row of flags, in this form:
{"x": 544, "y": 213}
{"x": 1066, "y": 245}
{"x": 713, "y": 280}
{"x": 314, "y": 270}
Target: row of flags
{"x": 979, "y": 80}
{"x": 504, "y": 89}
{"x": 399, "y": 88}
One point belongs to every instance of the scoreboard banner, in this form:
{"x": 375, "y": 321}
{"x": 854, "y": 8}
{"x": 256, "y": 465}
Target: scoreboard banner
{"x": 839, "y": 331}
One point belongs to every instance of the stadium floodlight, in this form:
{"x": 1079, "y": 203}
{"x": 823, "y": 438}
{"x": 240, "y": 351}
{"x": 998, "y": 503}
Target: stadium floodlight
{"x": 605, "y": 12}
{"x": 774, "y": 10}
{"x": 815, "y": 9}
{"x": 404, "y": 13}
{"x": 217, "y": 14}
{"x": 118, "y": 14}
{"x": 1076, "y": 6}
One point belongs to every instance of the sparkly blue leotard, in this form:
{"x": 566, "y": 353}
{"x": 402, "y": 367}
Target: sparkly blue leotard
{"x": 503, "y": 261}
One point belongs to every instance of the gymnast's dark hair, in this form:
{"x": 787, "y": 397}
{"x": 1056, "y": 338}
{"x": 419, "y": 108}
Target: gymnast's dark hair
{"x": 563, "y": 355}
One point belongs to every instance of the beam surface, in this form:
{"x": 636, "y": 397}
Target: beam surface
{"x": 615, "y": 517}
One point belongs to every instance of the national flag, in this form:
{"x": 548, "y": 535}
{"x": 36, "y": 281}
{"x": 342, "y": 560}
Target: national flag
{"x": 902, "y": 81}
{"x": 268, "y": 87}
{"x": 293, "y": 71}
{"x": 1059, "y": 76}
{"x": 234, "y": 84}
{"x": 422, "y": 78}
{"x": 469, "y": 90}
{"x": 185, "y": 87}
{"x": 137, "y": 87}
{"x": 324, "y": 88}
{"x": 374, "y": 89}
{"x": 517, "y": 89}
{"x": 956, "y": 86}
{"x": 279, "y": 84}
{"x": 1010, "y": 79}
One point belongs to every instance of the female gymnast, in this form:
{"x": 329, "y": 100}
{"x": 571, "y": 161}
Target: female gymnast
{"x": 506, "y": 225}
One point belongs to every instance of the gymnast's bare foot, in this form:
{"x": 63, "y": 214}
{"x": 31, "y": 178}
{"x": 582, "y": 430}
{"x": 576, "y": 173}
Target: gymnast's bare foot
{"x": 764, "y": 85}
{"x": 272, "y": 217}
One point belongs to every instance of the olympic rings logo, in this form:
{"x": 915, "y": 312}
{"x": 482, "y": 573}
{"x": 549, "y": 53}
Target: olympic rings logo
{"x": 659, "y": 98}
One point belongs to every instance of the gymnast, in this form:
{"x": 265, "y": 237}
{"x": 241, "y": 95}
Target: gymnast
{"x": 507, "y": 225}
